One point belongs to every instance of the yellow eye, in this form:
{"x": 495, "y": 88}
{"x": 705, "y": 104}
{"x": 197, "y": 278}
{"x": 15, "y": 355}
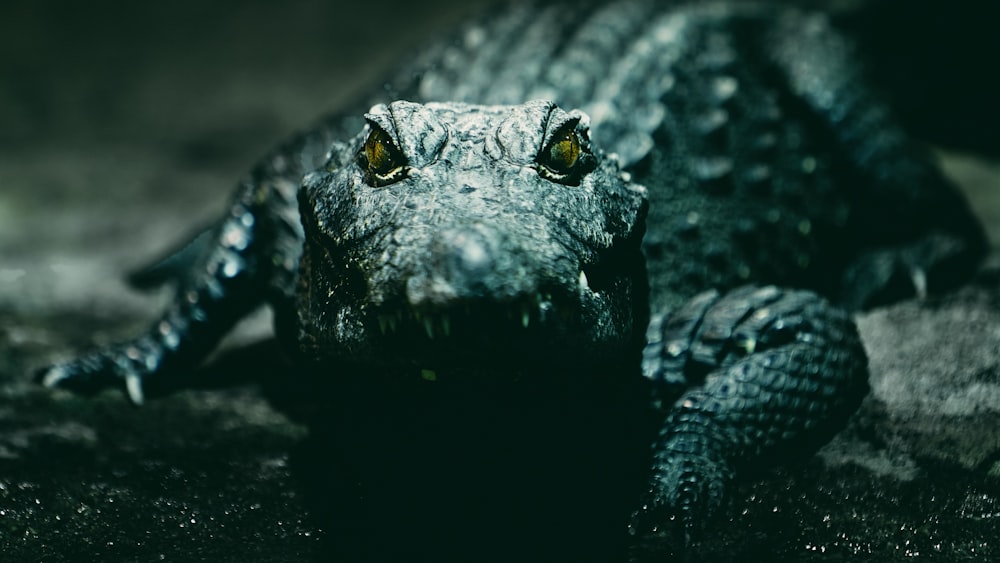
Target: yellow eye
{"x": 564, "y": 152}
{"x": 382, "y": 162}
{"x": 381, "y": 154}
{"x": 565, "y": 160}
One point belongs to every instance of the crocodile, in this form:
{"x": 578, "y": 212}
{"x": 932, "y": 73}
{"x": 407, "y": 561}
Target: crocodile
{"x": 630, "y": 227}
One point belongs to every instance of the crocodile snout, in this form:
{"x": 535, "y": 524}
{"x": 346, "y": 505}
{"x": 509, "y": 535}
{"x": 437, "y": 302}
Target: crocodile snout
{"x": 470, "y": 264}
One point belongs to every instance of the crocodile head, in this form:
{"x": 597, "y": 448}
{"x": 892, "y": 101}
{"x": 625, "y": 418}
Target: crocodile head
{"x": 449, "y": 238}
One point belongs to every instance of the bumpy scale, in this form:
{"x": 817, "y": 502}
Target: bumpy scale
{"x": 486, "y": 231}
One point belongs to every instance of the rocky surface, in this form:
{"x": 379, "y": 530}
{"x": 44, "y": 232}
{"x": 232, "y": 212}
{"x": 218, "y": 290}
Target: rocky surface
{"x": 123, "y": 128}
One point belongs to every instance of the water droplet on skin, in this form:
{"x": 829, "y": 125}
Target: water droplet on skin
{"x": 724, "y": 87}
{"x": 711, "y": 120}
{"x": 230, "y": 269}
{"x": 235, "y": 237}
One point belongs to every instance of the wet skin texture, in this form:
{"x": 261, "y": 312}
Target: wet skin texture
{"x": 596, "y": 268}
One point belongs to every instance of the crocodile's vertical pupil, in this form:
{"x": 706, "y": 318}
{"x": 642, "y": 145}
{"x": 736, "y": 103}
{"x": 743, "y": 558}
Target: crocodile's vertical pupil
{"x": 380, "y": 152}
{"x": 564, "y": 151}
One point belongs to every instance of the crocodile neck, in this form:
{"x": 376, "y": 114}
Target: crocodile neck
{"x": 596, "y": 57}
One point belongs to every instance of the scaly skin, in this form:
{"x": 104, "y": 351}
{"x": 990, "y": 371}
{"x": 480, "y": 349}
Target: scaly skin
{"x": 477, "y": 235}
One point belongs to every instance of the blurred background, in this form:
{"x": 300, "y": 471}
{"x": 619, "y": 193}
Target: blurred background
{"x": 124, "y": 126}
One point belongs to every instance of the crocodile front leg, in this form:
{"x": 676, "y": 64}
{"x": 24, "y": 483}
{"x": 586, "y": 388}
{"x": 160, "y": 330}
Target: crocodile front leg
{"x": 772, "y": 374}
{"x": 220, "y": 285}
{"x": 250, "y": 256}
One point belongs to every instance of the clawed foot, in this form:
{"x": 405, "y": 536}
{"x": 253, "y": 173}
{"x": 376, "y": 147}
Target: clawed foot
{"x": 882, "y": 276}
{"x": 772, "y": 374}
{"x": 686, "y": 493}
{"x": 123, "y": 366}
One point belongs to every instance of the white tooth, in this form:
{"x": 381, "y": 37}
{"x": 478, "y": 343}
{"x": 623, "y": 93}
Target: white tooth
{"x": 919, "y": 279}
{"x": 446, "y": 325}
{"x": 133, "y": 384}
{"x": 429, "y": 327}
{"x": 525, "y": 316}
{"x": 391, "y": 321}
{"x": 383, "y": 321}
{"x": 584, "y": 282}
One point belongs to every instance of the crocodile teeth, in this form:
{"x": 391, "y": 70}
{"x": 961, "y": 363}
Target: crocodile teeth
{"x": 919, "y": 279}
{"x": 436, "y": 325}
{"x": 387, "y": 323}
{"x": 133, "y": 384}
{"x": 584, "y": 282}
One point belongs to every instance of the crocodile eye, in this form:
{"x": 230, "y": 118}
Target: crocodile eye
{"x": 563, "y": 152}
{"x": 382, "y": 162}
{"x": 565, "y": 159}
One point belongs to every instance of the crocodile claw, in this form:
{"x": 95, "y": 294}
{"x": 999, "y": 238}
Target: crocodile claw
{"x": 95, "y": 372}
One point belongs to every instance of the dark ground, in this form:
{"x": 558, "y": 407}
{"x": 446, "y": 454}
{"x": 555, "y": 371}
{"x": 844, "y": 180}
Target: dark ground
{"x": 122, "y": 127}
